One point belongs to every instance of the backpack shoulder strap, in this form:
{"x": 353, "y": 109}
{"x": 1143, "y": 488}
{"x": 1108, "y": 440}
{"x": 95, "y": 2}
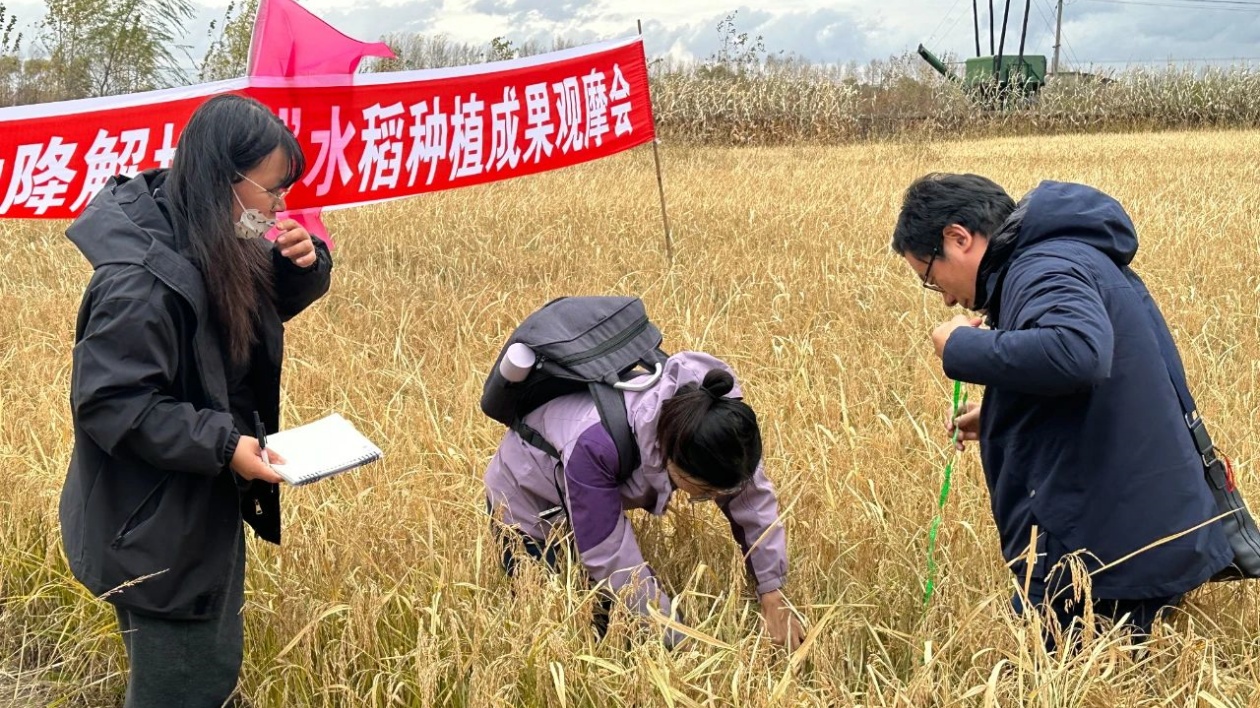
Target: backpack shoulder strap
{"x": 1172, "y": 362}
{"x": 535, "y": 438}
{"x": 611, "y": 404}
{"x": 1239, "y": 527}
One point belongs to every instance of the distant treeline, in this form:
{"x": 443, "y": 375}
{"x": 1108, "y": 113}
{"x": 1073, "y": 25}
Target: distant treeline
{"x": 742, "y": 94}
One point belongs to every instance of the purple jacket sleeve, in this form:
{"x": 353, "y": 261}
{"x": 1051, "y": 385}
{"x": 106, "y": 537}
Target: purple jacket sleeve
{"x": 754, "y": 517}
{"x": 605, "y": 540}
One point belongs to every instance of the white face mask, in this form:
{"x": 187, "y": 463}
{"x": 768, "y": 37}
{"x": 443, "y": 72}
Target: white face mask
{"x": 252, "y": 223}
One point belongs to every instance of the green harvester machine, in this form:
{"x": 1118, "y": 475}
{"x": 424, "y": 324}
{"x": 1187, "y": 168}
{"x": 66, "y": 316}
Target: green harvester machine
{"x": 996, "y": 80}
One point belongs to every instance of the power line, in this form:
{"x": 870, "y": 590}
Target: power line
{"x": 1049, "y": 23}
{"x": 1070, "y": 51}
{"x": 932, "y": 37}
{"x": 952, "y": 27}
{"x": 1170, "y": 60}
{"x": 1225, "y": 6}
{"x": 1049, "y": 28}
{"x": 1191, "y": 60}
{"x": 1187, "y": 4}
{"x": 1246, "y": 3}
{"x": 1251, "y": 8}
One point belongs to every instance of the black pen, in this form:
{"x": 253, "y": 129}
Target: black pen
{"x": 261, "y": 434}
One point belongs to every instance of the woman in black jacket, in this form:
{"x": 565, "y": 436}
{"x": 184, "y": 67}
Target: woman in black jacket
{"x": 179, "y": 342}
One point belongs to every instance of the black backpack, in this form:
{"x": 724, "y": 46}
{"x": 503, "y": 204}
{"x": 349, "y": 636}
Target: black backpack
{"x": 593, "y": 343}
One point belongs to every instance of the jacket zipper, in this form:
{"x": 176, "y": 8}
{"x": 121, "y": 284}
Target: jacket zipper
{"x": 603, "y": 348}
{"x": 201, "y": 373}
{"x": 196, "y": 353}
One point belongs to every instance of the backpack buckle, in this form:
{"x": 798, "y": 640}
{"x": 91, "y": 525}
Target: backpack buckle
{"x": 1202, "y": 441}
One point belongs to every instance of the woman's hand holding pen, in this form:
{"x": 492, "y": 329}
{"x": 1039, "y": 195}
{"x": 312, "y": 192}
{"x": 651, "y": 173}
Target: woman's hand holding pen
{"x": 248, "y": 463}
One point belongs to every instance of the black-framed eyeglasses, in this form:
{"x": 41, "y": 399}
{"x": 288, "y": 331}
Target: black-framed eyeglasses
{"x": 927, "y": 274}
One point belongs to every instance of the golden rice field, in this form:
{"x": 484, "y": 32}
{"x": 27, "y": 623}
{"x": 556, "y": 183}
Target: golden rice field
{"x": 387, "y": 591}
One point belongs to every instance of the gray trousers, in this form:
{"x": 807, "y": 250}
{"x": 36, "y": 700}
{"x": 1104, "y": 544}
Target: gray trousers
{"x": 187, "y": 663}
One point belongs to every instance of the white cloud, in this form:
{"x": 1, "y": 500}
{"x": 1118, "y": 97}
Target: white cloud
{"x": 820, "y": 30}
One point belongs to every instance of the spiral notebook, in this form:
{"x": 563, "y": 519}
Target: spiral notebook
{"x": 321, "y": 449}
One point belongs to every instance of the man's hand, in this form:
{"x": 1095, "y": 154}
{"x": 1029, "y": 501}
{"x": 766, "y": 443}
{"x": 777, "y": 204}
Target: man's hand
{"x": 784, "y": 626}
{"x": 248, "y": 463}
{"x": 940, "y": 335}
{"x": 968, "y": 423}
{"x": 295, "y": 243}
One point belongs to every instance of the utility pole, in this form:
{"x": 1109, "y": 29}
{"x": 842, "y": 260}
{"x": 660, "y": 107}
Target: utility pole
{"x": 1058, "y": 29}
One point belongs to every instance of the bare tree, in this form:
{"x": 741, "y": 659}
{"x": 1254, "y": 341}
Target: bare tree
{"x": 228, "y": 56}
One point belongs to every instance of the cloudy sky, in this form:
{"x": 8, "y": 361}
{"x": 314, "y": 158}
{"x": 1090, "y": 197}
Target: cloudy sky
{"x": 1098, "y": 33}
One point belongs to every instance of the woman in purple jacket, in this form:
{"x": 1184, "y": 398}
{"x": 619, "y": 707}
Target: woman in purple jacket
{"x": 694, "y": 434}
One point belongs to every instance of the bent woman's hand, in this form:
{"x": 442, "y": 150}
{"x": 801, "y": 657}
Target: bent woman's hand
{"x": 783, "y": 625}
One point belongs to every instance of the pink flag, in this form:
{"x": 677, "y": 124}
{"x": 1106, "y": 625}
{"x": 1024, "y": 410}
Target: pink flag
{"x": 289, "y": 41}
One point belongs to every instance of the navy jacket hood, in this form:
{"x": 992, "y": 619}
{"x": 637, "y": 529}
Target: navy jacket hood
{"x": 1056, "y": 210}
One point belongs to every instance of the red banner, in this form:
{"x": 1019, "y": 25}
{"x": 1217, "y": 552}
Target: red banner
{"x": 367, "y": 138}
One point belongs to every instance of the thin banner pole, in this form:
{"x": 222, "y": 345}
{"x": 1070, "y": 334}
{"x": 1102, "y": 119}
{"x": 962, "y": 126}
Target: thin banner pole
{"x": 660, "y": 184}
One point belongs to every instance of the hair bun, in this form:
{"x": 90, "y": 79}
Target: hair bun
{"x": 718, "y": 382}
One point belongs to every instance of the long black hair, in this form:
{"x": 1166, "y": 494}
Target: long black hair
{"x": 226, "y": 137}
{"x": 712, "y": 438}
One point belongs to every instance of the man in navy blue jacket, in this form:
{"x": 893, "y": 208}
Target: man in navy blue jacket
{"x": 1081, "y": 431}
